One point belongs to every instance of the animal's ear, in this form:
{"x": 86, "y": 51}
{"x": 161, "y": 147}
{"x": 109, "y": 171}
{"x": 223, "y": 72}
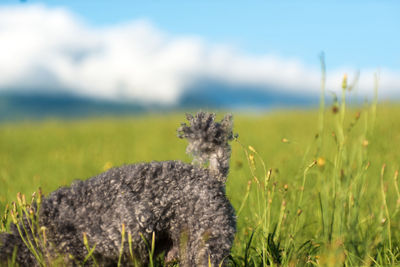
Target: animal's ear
{"x": 189, "y": 117}
{"x": 228, "y": 117}
{"x": 227, "y": 125}
{"x": 227, "y": 120}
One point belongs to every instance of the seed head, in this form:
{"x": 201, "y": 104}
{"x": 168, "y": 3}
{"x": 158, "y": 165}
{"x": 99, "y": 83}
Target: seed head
{"x": 14, "y": 217}
{"x": 344, "y": 81}
{"x": 252, "y": 162}
{"x": 33, "y": 198}
{"x": 252, "y": 149}
{"x": 85, "y": 240}
{"x": 19, "y": 199}
{"x": 383, "y": 169}
{"x": 23, "y": 200}
{"x": 14, "y": 207}
{"x": 43, "y": 229}
{"x": 269, "y": 174}
{"x": 248, "y": 185}
{"x": 365, "y": 143}
{"x": 368, "y": 164}
{"x": 321, "y": 161}
{"x": 299, "y": 211}
{"x": 108, "y": 165}
{"x": 40, "y": 194}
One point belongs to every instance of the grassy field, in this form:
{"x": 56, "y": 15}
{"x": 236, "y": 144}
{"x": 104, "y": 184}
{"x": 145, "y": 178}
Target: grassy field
{"x": 309, "y": 188}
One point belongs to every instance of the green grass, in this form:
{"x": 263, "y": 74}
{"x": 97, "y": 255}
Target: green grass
{"x": 326, "y": 194}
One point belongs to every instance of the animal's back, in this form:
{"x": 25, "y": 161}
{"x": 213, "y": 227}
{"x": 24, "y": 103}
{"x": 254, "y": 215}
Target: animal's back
{"x": 145, "y": 197}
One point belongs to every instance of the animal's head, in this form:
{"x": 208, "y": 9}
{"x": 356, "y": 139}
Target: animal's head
{"x": 209, "y": 141}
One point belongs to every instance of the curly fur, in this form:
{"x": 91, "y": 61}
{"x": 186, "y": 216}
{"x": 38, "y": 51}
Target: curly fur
{"x": 183, "y": 204}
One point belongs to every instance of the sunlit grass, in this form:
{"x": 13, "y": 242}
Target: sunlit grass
{"x": 310, "y": 194}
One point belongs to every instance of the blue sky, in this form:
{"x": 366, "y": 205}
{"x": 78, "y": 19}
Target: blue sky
{"x": 123, "y": 45}
{"x": 354, "y": 34}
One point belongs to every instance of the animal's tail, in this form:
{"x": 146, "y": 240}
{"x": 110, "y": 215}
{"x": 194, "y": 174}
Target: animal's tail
{"x": 8, "y": 243}
{"x": 12, "y": 249}
{"x": 209, "y": 141}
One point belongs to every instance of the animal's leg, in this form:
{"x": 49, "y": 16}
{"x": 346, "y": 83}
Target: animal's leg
{"x": 208, "y": 240}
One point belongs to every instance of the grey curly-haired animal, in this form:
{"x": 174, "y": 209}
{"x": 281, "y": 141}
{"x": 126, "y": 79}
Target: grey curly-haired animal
{"x": 184, "y": 205}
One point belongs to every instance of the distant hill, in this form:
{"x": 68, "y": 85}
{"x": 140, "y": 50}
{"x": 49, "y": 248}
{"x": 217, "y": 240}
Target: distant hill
{"x": 206, "y": 95}
{"x": 16, "y": 106}
{"x": 220, "y": 95}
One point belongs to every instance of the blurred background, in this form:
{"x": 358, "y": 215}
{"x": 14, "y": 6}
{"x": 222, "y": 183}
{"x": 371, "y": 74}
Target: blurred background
{"x": 73, "y": 58}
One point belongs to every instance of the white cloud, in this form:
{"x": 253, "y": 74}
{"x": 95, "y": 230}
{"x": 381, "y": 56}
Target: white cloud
{"x": 52, "y": 49}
